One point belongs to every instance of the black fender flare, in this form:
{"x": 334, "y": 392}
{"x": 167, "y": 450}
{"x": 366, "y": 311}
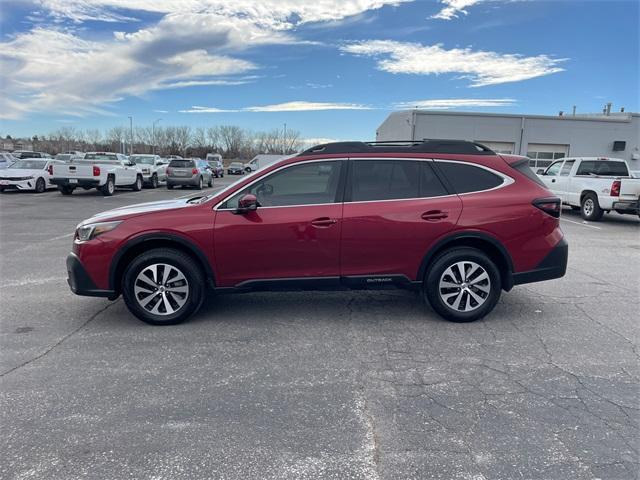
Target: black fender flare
{"x": 165, "y": 237}
{"x": 461, "y": 236}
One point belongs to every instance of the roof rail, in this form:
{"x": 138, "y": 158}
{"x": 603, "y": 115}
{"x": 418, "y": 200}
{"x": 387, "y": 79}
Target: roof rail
{"x": 402, "y": 146}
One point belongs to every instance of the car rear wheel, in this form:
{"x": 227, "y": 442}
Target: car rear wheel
{"x": 199, "y": 185}
{"x": 590, "y": 208}
{"x": 108, "y": 188}
{"x": 163, "y": 286}
{"x": 210, "y": 183}
{"x": 41, "y": 186}
{"x": 169, "y": 186}
{"x": 154, "y": 181}
{"x": 462, "y": 285}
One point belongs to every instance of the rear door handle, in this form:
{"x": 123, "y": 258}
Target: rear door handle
{"x": 323, "y": 222}
{"x": 433, "y": 215}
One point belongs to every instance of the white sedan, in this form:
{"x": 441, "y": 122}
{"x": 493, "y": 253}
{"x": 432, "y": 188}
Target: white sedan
{"x": 31, "y": 174}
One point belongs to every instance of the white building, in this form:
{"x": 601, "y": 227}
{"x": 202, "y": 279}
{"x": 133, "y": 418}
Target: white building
{"x": 541, "y": 138}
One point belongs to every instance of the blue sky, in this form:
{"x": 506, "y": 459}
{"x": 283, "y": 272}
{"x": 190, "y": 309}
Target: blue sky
{"x": 331, "y": 69}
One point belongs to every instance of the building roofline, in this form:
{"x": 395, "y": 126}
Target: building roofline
{"x": 617, "y": 118}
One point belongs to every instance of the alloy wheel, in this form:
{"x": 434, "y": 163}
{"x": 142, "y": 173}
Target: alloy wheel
{"x": 161, "y": 289}
{"x": 464, "y": 286}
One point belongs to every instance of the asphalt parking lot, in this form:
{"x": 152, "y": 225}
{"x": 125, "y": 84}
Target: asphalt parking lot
{"x": 316, "y": 385}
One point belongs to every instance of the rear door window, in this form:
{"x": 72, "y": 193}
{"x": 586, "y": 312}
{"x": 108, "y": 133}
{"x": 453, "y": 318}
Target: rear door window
{"x": 465, "y": 178}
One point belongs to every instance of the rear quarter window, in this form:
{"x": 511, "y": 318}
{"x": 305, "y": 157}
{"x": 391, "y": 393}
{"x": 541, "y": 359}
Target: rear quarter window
{"x": 466, "y": 178}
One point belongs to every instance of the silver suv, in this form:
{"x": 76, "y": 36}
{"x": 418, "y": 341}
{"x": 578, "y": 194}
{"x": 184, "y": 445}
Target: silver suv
{"x": 192, "y": 172}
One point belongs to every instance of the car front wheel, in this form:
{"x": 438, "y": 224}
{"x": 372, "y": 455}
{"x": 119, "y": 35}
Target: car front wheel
{"x": 463, "y": 285}
{"x": 163, "y": 286}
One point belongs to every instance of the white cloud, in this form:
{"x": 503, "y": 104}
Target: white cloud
{"x": 275, "y": 14}
{"x": 453, "y": 8}
{"x": 194, "y": 43}
{"x": 200, "y": 109}
{"x": 301, "y": 106}
{"x": 297, "y": 106}
{"x": 449, "y": 103}
{"x": 481, "y": 67}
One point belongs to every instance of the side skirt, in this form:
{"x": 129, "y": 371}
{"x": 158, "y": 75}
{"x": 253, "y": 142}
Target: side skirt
{"x": 358, "y": 282}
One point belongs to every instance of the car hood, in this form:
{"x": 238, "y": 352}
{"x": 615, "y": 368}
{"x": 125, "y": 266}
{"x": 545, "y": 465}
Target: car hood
{"x": 20, "y": 172}
{"x": 139, "y": 209}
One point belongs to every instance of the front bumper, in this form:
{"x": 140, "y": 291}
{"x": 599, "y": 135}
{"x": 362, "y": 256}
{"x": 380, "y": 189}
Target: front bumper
{"x": 18, "y": 184}
{"x": 554, "y": 265}
{"x": 76, "y": 182}
{"x": 81, "y": 283}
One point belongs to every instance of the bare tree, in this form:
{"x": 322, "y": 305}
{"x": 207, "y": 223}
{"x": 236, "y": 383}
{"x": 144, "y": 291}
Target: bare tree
{"x": 231, "y": 138}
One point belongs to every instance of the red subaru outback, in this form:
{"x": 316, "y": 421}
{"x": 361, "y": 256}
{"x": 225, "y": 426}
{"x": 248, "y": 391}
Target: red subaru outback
{"x": 451, "y": 219}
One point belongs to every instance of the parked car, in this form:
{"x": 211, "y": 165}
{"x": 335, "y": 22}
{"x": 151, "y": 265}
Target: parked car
{"x": 451, "y": 219}
{"x": 154, "y": 168}
{"x": 192, "y": 172}
{"x": 594, "y": 185}
{"x": 6, "y": 159}
{"x": 173, "y": 157}
{"x": 29, "y": 154}
{"x": 215, "y": 163}
{"x": 104, "y": 171}
{"x": 69, "y": 156}
{"x": 261, "y": 161}
{"x": 236, "y": 168}
{"x": 31, "y": 174}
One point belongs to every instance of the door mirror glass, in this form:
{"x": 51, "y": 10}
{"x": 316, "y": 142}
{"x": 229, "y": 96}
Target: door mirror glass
{"x": 247, "y": 203}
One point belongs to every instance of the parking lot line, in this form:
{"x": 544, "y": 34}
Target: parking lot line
{"x": 581, "y": 224}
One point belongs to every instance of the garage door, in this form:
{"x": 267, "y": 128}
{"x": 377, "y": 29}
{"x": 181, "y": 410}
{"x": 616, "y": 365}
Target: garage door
{"x": 543, "y": 154}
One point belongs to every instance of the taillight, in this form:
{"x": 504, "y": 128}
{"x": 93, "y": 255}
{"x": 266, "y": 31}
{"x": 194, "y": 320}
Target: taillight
{"x": 96, "y": 171}
{"x": 50, "y": 169}
{"x": 194, "y": 171}
{"x": 615, "y": 188}
{"x": 168, "y": 171}
{"x": 549, "y": 205}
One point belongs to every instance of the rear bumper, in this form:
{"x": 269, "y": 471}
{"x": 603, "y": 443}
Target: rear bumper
{"x": 554, "y": 265}
{"x": 627, "y": 206}
{"x": 78, "y": 182}
{"x": 81, "y": 283}
{"x": 183, "y": 181}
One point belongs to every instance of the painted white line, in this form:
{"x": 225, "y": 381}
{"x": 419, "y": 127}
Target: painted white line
{"x": 58, "y": 238}
{"x": 581, "y": 224}
{"x": 33, "y": 281}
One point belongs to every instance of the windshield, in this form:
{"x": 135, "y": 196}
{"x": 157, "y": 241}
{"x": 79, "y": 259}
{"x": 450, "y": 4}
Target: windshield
{"x": 23, "y": 154}
{"x": 63, "y": 156}
{"x": 143, "y": 159}
{"x": 235, "y": 164}
{"x": 100, "y": 156}
{"x": 29, "y": 164}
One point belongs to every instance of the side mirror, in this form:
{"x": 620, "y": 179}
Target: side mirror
{"x": 540, "y": 171}
{"x": 247, "y": 203}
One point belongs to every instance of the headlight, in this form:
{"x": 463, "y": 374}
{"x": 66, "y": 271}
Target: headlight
{"x": 92, "y": 230}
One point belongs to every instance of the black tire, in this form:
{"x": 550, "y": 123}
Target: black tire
{"x": 1, "y": 189}
{"x": 210, "y": 183}
{"x": 199, "y": 185}
{"x": 176, "y": 259}
{"x": 65, "y": 190}
{"x": 575, "y": 208}
{"x": 590, "y": 208}
{"x": 109, "y": 187}
{"x": 154, "y": 181}
{"x": 137, "y": 186}
{"x": 169, "y": 186}
{"x": 41, "y": 185}
{"x": 436, "y": 272}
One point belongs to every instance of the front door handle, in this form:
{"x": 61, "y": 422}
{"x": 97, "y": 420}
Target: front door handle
{"x": 433, "y": 215}
{"x": 323, "y": 222}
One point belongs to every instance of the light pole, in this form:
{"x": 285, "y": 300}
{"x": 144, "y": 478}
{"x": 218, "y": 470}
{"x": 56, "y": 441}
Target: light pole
{"x": 131, "y": 134}
{"x": 153, "y": 134}
{"x": 284, "y": 140}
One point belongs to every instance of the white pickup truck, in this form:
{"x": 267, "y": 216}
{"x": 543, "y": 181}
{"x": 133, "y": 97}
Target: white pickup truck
{"x": 593, "y": 185}
{"x": 102, "y": 170}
